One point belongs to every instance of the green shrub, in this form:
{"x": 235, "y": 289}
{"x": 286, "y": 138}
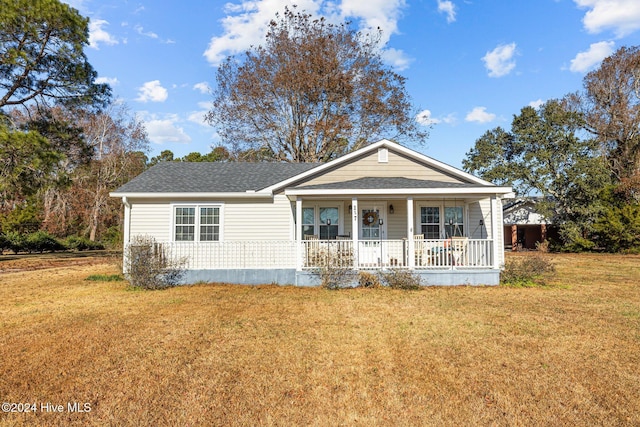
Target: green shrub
{"x": 527, "y": 271}
{"x": 41, "y": 241}
{"x": 4, "y": 243}
{"x": 149, "y": 266}
{"x": 401, "y": 279}
{"x": 78, "y": 243}
{"x": 575, "y": 238}
{"x": 15, "y": 242}
{"x": 618, "y": 229}
{"x": 112, "y": 238}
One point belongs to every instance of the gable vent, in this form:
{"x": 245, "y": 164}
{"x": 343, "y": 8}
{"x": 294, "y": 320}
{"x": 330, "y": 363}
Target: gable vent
{"x": 383, "y": 155}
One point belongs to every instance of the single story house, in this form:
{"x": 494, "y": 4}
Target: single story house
{"x": 524, "y": 226}
{"x": 383, "y": 206}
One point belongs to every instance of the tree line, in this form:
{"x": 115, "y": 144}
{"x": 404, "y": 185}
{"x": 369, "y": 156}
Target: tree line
{"x": 312, "y": 92}
{"x": 580, "y": 154}
{"x": 65, "y": 142}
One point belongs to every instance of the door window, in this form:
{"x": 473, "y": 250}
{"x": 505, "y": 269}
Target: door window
{"x": 370, "y": 224}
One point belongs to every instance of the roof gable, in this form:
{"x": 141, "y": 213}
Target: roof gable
{"x": 364, "y": 163}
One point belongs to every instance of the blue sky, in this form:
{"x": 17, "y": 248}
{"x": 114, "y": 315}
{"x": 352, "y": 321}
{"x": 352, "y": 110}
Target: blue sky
{"x": 470, "y": 64}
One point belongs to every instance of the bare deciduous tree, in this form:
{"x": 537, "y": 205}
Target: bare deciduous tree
{"x": 611, "y": 105}
{"x": 314, "y": 91}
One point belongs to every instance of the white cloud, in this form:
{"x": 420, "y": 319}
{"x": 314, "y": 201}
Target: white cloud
{"x": 449, "y": 9}
{"x": 98, "y": 35}
{"x": 203, "y": 87}
{"x": 500, "y": 60}
{"x": 198, "y": 116}
{"x": 425, "y": 119}
{"x": 584, "y": 61}
{"x": 396, "y": 58}
{"x": 449, "y": 119}
{"x": 480, "y": 115}
{"x": 152, "y": 91}
{"x": 373, "y": 14}
{"x": 536, "y": 104}
{"x": 246, "y": 23}
{"x": 142, "y": 32}
{"x": 621, "y": 16}
{"x": 166, "y": 130}
{"x": 111, "y": 81}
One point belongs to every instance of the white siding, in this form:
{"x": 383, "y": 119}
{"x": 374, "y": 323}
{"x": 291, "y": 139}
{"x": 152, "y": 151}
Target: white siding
{"x": 151, "y": 219}
{"x": 258, "y": 219}
{"x": 480, "y": 210}
{"x": 368, "y": 166}
{"x": 241, "y": 219}
{"x": 397, "y": 221}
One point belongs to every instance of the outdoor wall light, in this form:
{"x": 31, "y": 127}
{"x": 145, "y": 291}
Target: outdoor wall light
{"x": 391, "y": 209}
{"x": 328, "y": 221}
{"x": 350, "y": 208}
{"x": 481, "y": 222}
{"x": 380, "y": 222}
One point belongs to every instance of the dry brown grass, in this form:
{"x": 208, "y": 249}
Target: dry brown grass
{"x": 566, "y": 354}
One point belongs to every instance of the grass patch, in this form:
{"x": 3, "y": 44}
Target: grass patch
{"x": 270, "y": 355}
{"x": 105, "y": 278}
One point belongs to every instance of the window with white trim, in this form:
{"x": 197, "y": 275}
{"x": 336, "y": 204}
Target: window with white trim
{"x": 453, "y": 221}
{"x": 197, "y": 223}
{"x": 430, "y": 222}
{"x": 320, "y": 221}
{"x": 434, "y": 225}
{"x": 328, "y": 223}
{"x": 308, "y": 222}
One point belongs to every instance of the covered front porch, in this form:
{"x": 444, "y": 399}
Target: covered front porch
{"x": 422, "y": 228}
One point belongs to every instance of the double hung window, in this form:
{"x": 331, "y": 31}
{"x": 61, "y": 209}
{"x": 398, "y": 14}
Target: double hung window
{"x": 433, "y": 225}
{"x": 430, "y": 222}
{"x": 197, "y": 223}
{"x": 320, "y": 221}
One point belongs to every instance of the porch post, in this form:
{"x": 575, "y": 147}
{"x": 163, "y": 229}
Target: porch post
{"x": 298, "y": 233}
{"x": 354, "y": 230}
{"x": 514, "y": 237}
{"x": 412, "y": 244}
{"x": 494, "y": 232}
{"x": 127, "y": 220}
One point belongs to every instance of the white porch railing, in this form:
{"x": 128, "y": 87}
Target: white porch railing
{"x": 234, "y": 254}
{"x": 376, "y": 254}
{"x": 370, "y": 254}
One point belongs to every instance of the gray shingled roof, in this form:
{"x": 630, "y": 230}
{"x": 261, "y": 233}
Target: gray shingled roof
{"x": 212, "y": 177}
{"x": 372, "y": 183}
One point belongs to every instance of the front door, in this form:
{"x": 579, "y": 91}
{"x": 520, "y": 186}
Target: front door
{"x": 372, "y": 232}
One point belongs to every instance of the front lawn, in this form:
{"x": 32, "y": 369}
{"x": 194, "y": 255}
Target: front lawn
{"x": 564, "y": 354}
